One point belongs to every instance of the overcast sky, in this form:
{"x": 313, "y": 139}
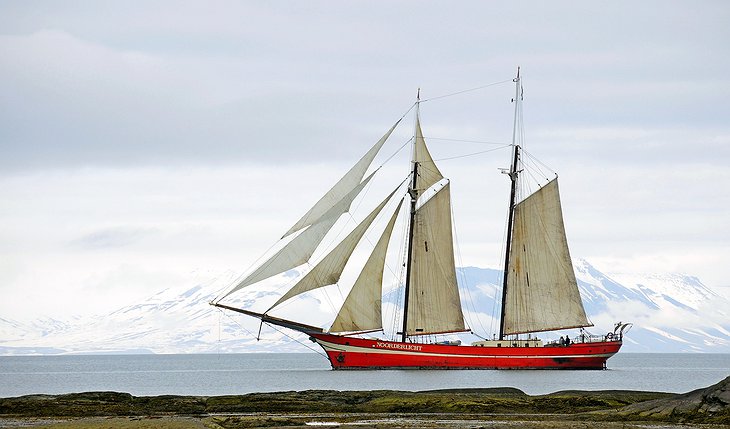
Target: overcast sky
{"x": 146, "y": 144}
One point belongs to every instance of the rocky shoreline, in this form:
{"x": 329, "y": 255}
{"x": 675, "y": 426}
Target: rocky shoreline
{"x": 384, "y": 409}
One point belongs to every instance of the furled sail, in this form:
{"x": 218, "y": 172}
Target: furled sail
{"x": 433, "y": 299}
{"x": 348, "y": 182}
{"x": 428, "y": 173}
{"x": 361, "y": 310}
{"x": 542, "y": 293}
{"x": 329, "y": 270}
{"x": 301, "y": 247}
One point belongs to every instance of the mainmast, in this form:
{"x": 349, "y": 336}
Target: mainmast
{"x": 414, "y": 196}
{"x": 513, "y": 172}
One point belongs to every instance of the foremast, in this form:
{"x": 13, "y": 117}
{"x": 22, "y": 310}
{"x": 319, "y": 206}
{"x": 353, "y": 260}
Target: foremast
{"x": 413, "y": 193}
{"x": 432, "y": 304}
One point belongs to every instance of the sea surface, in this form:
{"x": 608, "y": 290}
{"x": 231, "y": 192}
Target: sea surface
{"x": 224, "y": 374}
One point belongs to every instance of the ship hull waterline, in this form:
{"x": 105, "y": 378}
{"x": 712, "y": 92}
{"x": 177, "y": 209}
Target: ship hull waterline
{"x": 358, "y": 353}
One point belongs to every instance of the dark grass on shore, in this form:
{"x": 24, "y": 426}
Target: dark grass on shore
{"x": 503, "y": 401}
{"x": 707, "y": 406}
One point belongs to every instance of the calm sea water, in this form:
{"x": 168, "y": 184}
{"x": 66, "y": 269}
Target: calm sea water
{"x": 245, "y": 373}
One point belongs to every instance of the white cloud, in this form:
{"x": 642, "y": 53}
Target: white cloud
{"x": 92, "y": 236}
{"x": 177, "y": 136}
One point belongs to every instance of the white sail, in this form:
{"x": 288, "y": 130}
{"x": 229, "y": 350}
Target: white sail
{"x": 346, "y": 184}
{"x": 542, "y": 293}
{"x": 301, "y": 247}
{"x": 433, "y": 300}
{"x": 361, "y": 310}
{"x": 329, "y": 270}
{"x": 428, "y": 173}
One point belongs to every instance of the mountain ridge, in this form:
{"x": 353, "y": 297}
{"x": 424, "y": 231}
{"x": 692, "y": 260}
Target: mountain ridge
{"x": 670, "y": 312}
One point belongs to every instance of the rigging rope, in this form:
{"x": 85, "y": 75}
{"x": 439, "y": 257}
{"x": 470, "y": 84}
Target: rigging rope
{"x": 296, "y": 340}
{"x": 464, "y": 91}
{"x": 539, "y": 163}
{"x": 472, "y": 154}
{"x": 399, "y": 290}
{"x": 467, "y": 141}
{"x": 243, "y": 275}
{"x": 273, "y": 327}
{"x": 499, "y": 287}
{"x": 470, "y": 300}
{"x": 234, "y": 321}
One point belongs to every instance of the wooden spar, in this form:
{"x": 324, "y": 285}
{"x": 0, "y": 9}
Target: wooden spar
{"x": 301, "y": 327}
{"x": 414, "y": 196}
{"x": 510, "y": 218}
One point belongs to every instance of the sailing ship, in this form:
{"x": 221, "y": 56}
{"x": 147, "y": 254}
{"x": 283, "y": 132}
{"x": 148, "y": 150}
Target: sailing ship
{"x": 539, "y": 291}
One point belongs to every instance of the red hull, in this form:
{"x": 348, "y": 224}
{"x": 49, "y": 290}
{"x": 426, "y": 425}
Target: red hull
{"x": 358, "y": 353}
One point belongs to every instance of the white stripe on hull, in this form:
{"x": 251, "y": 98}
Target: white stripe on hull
{"x": 346, "y": 348}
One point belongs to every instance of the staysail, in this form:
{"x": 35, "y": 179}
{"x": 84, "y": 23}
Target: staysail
{"x": 301, "y": 247}
{"x": 542, "y": 293}
{"x": 346, "y": 184}
{"x": 362, "y": 309}
{"x": 329, "y": 269}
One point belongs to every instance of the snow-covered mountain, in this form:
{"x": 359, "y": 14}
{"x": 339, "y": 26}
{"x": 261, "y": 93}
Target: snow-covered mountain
{"x": 670, "y": 312}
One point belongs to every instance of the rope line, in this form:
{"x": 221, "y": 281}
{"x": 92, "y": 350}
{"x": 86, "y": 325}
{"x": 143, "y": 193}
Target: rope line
{"x": 274, "y": 328}
{"x": 467, "y": 141}
{"x": 464, "y": 91}
{"x": 481, "y": 152}
{"x": 465, "y": 279}
{"x": 296, "y": 340}
{"x": 396, "y": 152}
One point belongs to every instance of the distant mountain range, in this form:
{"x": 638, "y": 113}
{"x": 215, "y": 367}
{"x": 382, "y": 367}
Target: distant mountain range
{"x": 670, "y": 313}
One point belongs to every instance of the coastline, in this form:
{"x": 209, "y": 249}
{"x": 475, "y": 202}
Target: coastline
{"x": 381, "y": 408}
